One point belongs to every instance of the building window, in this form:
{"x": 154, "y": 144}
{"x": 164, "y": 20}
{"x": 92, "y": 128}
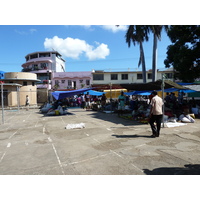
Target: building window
{"x": 149, "y": 76}
{"x": 169, "y": 75}
{"x": 124, "y": 76}
{"x": 98, "y": 77}
{"x": 87, "y": 82}
{"x": 62, "y": 81}
{"x": 33, "y": 83}
{"x": 35, "y": 67}
{"x": 139, "y": 76}
{"x": 114, "y": 76}
{"x": 57, "y": 82}
{"x": 80, "y": 81}
{"x": 44, "y": 55}
{"x": 44, "y": 65}
{"x": 25, "y": 83}
{"x": 69, "y": 83}
{"x": 33, "y": 56}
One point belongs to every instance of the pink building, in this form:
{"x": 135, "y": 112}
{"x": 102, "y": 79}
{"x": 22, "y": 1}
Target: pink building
{"x": 44, "y": 63}
{"x": 71, "y": 80}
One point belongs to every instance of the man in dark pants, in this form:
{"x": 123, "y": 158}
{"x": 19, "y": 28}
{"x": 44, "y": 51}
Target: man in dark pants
{"x": 156, "y": 114}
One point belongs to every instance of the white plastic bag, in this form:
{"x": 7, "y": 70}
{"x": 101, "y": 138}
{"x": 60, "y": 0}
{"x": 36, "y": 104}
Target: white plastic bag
{"x": 75, "y": 126}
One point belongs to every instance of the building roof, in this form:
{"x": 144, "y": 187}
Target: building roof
{"x": 72, "y": 74}
{"x": 194, "y": 87}
{"x": 152, "y": 86}
{"x": 18, "y": 79}
{"x": 44, "y": 52}
{"x": 11, "y": 84}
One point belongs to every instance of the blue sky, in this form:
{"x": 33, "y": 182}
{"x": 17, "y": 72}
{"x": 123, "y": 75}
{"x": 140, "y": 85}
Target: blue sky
{"x": 83, "y": 47}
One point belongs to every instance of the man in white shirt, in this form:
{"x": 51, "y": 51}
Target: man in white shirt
{"x": 156, "y": 114}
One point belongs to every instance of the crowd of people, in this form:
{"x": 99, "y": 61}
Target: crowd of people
{"x": 139, "y": 106}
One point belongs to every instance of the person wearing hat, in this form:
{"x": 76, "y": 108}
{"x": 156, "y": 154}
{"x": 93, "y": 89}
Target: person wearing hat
{"x": 156, "y": 114}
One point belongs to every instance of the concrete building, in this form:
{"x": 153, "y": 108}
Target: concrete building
{"x": 71, "y": 80}
{"x": 16, "y": 85}
{"x": 100, "y": 77}
{"x": 44, "y": 64}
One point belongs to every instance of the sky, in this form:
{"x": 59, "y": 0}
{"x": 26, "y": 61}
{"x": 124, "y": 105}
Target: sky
{"x": 84, "y": 47}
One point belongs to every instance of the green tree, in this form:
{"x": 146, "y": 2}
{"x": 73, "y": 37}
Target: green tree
{"x": 138, "y": 34}
{"x": 184, "y": 53}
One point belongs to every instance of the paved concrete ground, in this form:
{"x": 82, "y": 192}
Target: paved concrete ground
{"x": 32, "y": 143}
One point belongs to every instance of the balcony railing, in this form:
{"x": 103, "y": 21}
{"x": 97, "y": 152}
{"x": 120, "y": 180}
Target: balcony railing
{"x": 36, "y": 68}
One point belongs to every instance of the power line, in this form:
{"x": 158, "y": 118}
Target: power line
{"x": 86, "y": 61}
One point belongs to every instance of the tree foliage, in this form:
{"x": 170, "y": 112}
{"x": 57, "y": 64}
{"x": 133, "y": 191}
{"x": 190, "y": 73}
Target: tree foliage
{"x": 138, "y": 34}
{"x": 184, "y": 52}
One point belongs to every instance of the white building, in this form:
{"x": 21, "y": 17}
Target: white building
{"x": 44, "y": 63}
{"x": 44, "y": 60}
{"x": 127, "y": 77}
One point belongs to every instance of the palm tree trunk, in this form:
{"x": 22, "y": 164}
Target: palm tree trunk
{"x": 154, "y": 61}
{"x": 143, "y": 63}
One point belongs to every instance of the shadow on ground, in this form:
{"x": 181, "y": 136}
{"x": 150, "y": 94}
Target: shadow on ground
{"x": 132, "y": 136}
{"x": 113, "y": 117}
{"x": 45, "y": 114}
{"x": 190, "y": 169}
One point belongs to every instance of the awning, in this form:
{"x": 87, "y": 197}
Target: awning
{"x": 165, "y": 90}
{"x": 175, "y": 89}
{"x": 63, "y": 94}
{"x": 138, "y": 93}
{"x": 94, "y": 93}
{"x": 152, "y": 86}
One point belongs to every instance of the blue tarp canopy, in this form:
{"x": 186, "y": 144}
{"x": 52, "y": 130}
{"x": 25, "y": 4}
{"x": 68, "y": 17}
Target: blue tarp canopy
{"x": 95, "y": 93}
{"x": 63, "y": 94}
{"x": 175, "y": 89}
{"x": 180, "y": 83}
{"x": 165, "y": 90}
{"x": 138, "y": 93}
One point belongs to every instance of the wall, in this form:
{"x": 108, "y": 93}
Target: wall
{"x": 42, "y": 95}
{"x": 132, "y": 77}
{"x": 29, "y": 89}
{"x": 74, "y": 77}
{"x": 20, "y": 75}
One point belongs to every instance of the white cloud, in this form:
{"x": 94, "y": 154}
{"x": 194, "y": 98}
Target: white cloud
{"x": 86, "y": 26}
{"x": 74, "y": 48}
{"x": 100, "y": 52}
{"x": 20, "y": 32}
{"x": 115, "y": 28}
{"x": 32, "y": 30}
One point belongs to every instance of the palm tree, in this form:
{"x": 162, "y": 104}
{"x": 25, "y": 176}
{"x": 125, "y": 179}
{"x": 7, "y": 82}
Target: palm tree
{"x": 138, "y": 34}
{"x": 156, "y": 30}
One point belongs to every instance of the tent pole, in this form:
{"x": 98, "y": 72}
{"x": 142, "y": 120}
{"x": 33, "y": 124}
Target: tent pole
{"x": 18, "y": 98}
{"x": 163, "y": 107}
{"x": 2, "y": 103}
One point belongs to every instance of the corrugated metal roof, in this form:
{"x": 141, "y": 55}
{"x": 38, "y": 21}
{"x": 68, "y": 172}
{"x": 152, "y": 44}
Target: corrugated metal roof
{"x": 12, "y": 84}
{"x": 152, "y": 85}
{"x": 194, "y": 87}
{"x": 18, "y": 79}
